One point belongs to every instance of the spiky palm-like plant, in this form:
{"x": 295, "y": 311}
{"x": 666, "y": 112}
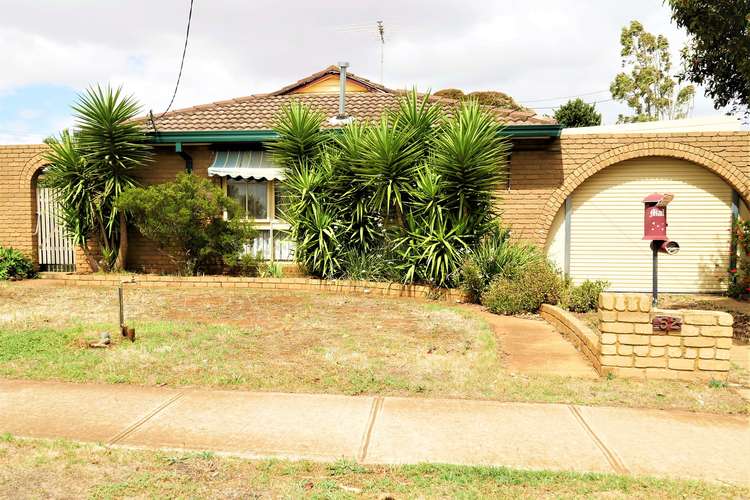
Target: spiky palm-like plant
{"x": 301, "y": 139}
{"x": 470, "y": 157}
{"x": 415, "y": 187}
{"x": 388, "y": 163}
{"x": 99, "y": 157}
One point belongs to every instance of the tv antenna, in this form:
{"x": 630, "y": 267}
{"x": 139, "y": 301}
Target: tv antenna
{"x": 381, "y": 34}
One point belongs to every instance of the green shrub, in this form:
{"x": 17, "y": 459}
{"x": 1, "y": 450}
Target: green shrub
{"x": 15, "y": 265}
{"x": 536, "y": 284}
{"x": 270, "y": 270}
{"x": 584, "y": 297}
{"x": 186, "y": 219}
{"x": 739, "y": 277}
{"x": 495, "y": 256}
{"x": 244, "y": 264}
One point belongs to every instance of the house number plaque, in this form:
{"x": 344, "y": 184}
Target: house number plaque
{"x": 666, "y": 324}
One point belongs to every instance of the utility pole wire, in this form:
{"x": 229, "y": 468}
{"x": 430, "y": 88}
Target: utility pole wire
{"x": 182, "y": 63}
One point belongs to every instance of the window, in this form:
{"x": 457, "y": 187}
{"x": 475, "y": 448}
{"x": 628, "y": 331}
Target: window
{"x": 257, "y": 199}
{"x": 252, "y": 196}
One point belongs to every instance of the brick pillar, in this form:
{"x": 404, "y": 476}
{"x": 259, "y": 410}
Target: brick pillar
{"x": 632, "y": 346}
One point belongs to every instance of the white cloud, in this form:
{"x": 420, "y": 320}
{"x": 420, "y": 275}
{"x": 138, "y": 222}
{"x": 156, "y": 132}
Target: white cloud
{"x": 531, "y": 50}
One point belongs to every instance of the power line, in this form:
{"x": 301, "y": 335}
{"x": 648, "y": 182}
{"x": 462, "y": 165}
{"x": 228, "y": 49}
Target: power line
{"x": 182, "y": 62}
{"x": 565, "y": 96}
{"x": 555, "y": 107}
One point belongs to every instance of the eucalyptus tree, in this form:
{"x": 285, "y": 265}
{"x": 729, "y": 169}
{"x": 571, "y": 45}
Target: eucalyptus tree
{"x": 647, "y": 86}
{"x": 90, "y": 166}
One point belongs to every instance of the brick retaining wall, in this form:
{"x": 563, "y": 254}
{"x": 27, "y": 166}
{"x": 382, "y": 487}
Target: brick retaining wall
{"x": 585, "y": 338}
{"x": 306, "y": 284}
{"x": 627, "y": 344}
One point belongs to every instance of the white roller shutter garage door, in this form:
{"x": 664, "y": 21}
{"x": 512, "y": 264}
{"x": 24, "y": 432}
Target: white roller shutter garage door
{"x": 606, "y": 228}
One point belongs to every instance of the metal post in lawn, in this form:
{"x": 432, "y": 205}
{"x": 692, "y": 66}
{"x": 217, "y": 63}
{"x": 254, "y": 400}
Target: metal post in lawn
{"x": 123, "y": 328}
{"x": 655, "y": 272}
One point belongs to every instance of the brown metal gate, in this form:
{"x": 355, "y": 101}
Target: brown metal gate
{"x": 56, "y": 251}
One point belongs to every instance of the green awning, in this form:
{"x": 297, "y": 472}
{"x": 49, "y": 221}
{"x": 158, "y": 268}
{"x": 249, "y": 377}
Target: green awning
{"x": 245, "y": 165}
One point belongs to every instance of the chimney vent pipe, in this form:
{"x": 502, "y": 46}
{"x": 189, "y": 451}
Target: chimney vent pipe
{"x": 342, "y": 89}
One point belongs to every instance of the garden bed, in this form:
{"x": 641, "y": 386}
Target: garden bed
{"x": 739, "y": 309}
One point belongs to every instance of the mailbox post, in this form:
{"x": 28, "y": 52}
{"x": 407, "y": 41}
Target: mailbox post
{"x": 655, "y": 230}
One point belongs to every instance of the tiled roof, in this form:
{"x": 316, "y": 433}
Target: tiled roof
{"x": 258, "y": 112}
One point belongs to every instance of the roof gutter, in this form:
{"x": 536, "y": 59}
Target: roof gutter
{"x": 230, "y": 136}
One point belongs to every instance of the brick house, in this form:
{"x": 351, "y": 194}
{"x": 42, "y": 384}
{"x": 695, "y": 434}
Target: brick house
{"x": 576, "y": 193}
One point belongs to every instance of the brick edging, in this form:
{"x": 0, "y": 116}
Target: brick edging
{"x": 304, "y": 284}
{"x": 585, "y": 339}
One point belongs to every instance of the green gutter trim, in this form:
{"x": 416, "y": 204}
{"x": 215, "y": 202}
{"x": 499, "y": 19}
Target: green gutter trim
{"x": 228, "y": 136}
{"x": 212, "y": 136}
{"x": 521, "y": 131}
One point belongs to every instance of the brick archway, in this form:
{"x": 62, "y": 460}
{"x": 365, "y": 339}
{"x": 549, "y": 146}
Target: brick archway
{"x": 27, "y": 186}
{"x": 723, "y": 168}
{"x": 30, "y": 170}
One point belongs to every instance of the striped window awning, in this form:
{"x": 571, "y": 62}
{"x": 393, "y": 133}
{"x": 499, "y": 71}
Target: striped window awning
{"x": 255, "y": 165}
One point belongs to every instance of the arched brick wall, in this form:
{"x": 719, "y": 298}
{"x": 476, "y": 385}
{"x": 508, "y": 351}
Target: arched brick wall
{"x": 30, "y": 169}
{"x": 720, "y": 166}
{"x": 19, "y": 166}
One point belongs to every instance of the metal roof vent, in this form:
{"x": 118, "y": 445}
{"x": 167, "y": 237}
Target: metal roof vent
{"x": 341, "y": 118}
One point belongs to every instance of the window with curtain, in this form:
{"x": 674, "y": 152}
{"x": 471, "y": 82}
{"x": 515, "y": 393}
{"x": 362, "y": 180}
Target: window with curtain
{"x": 251, "y": 195}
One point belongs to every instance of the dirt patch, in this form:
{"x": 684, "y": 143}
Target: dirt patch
{"x": 739, "y": 309}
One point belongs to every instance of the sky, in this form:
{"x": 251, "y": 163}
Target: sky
{"x": 540, "y": 52}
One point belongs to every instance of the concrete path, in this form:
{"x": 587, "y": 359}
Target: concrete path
{"x": 384, "y": 430}
{"x": 534, "y": 347}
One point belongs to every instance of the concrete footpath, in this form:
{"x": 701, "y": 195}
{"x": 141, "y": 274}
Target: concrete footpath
{"x": 387, "y": 430}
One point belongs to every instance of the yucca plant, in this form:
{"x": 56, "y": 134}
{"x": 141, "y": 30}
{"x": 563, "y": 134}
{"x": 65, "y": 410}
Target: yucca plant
{"x": 414, "y": 185}
{"x": 471, "y": 158}
{"x": 432, "y": 250}
{"x": 362, "y": 223}
{"x": 91, "y": 166}
{"x": 420, "y": 118}
{"x": 388, "y": 163}
{"x": 301, "y": 139}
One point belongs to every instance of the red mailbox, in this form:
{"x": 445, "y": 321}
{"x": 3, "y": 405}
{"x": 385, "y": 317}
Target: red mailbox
{"x": 655, "y": 216}
{"x": 655, "y": 229}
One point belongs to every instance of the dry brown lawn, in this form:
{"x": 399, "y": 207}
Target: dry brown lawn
{"x": 295, "y": 342}
{"x": 62, "y": 469}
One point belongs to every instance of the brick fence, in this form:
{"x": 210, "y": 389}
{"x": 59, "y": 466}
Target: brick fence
{"x": 628, "y": 344}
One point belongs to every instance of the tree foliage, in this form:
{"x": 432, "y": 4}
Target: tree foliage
{"x": 485, "y": 97}
{"x": 414, "y": 189}
{"x": 186, "y": 219}
{"x": 91, "y": 166}
{"x": 646, "y": 85}
{"x": 717, "y": 55}
{"x": 577, "y": 113}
